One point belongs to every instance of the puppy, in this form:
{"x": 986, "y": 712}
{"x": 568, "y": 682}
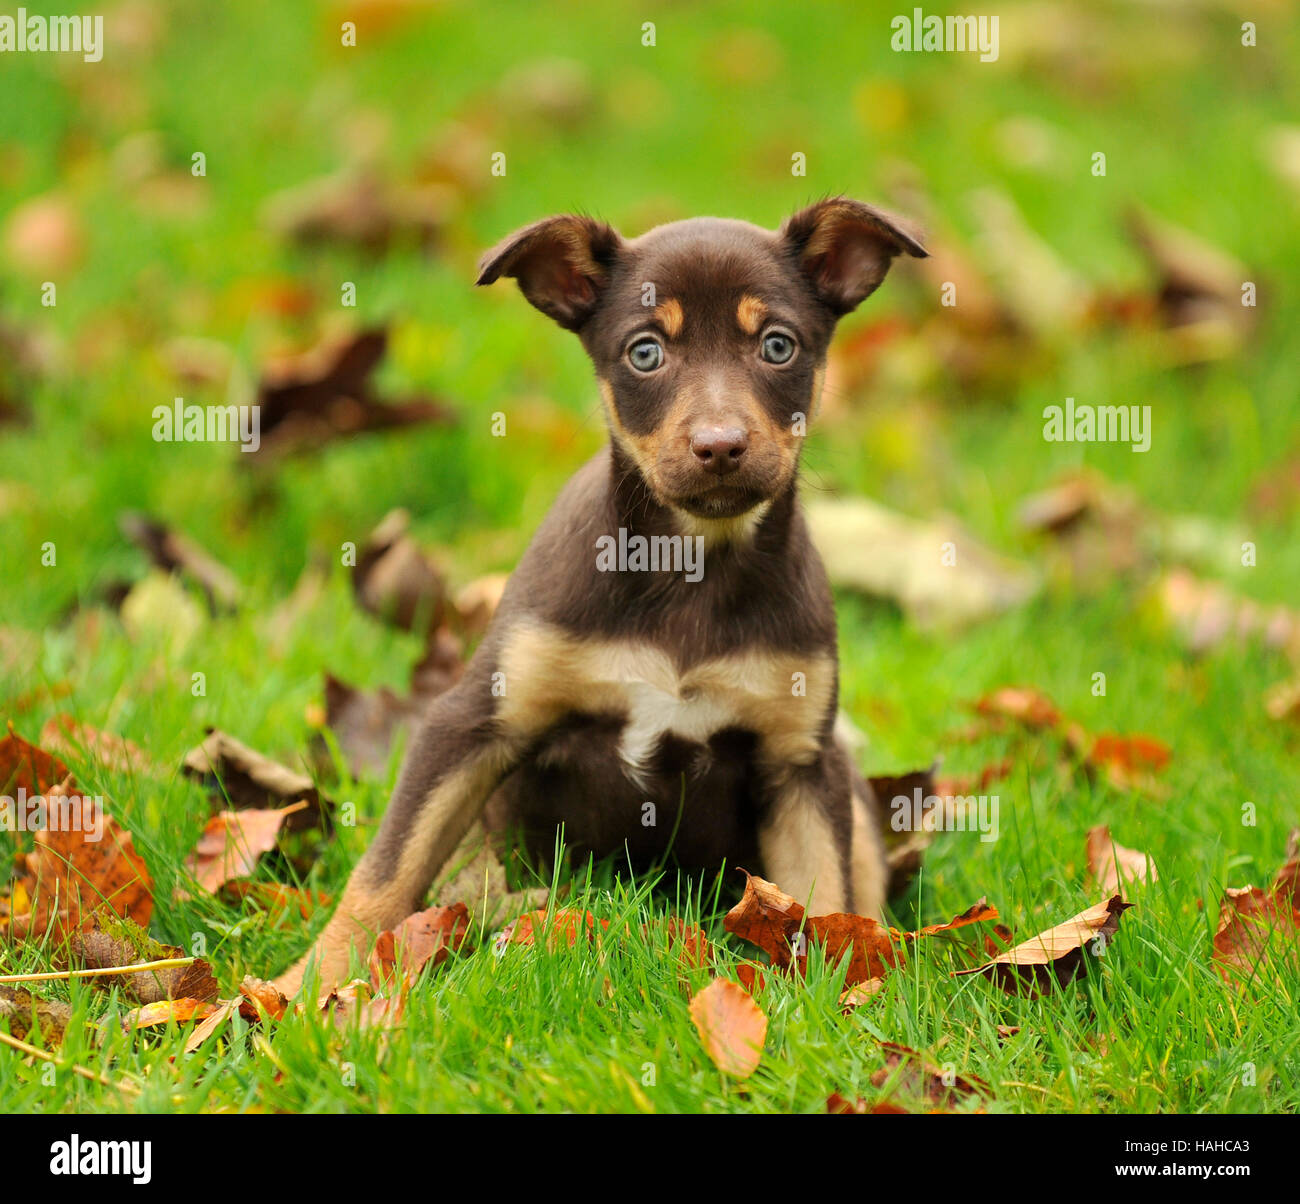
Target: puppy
{"x": 662, "y": 666}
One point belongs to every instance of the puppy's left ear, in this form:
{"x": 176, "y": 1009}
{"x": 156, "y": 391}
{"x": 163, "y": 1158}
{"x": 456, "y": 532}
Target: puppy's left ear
{"x": 561, "y": 264}
{"x": 845, "y": 248}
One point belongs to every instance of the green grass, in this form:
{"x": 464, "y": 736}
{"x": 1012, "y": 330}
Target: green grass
{"x": 703, "y": 122}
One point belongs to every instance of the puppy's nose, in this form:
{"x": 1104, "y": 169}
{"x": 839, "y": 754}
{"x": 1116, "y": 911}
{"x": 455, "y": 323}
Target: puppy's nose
{"x": 719, "y": 448}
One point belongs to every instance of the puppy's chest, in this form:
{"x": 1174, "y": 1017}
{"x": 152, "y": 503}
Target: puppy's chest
{"x": 781, "y": 699}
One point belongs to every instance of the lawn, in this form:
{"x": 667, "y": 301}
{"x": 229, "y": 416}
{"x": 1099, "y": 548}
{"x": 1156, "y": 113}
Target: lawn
{"x": 171, "y": 284}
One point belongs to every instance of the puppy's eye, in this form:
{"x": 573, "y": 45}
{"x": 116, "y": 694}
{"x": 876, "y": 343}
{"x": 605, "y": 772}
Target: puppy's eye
{"x": 646, "y": 355}
{"x": 778, "y": 348}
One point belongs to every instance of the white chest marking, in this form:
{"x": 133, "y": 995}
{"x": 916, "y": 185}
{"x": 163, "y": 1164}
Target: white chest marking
{"x": 783, "y": 698}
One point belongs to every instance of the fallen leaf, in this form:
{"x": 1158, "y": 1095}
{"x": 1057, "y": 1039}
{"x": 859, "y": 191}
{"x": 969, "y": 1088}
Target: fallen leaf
{"x": 1023, "y": 704}
{"x": 1128, "y": 760}
{"x": 913, "y": 1073}
{"x": 25, "y": 1015}
{"x": 839, "y": 1105}
{"x": 367, "y": 723}
{"x": 107, "y": 749}
{"x": 767, "y": 917}
{"x": 232, "y": 842}
{"x": 978, "y": 913}
{"x": 420, "y": 939}
{"x": 1207, "y": 614}
{"x": 23, "y": 766}
{"x": 361, "y": 207}
{"x": 277, "y": 898}
{"x": 169, "y": 1011}
{"x": 879, "y": 552}
{"x": 732, "y": 1027}
{"x": 396, "y": 580}
{"x": 860, "y": 993}
{"x": 866, "y": 943}
{"x": 175, "y": 553}
{"x": 246, "y": 779}
{"x": 1054, "y": 957}
{"x": 562, "y": 925}
{"x": 112, "y": 942}
{"x": 1112, "y": 865}
{"x": 260, "y": 998}
{"x": 1261, "y": 928}
{"x": 325, "y": 394}
{"x": 79, "y": 867}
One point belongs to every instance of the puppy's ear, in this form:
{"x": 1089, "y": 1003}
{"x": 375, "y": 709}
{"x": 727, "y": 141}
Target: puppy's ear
{"x": 561, "y": 263}
{"x": 845, "y": 247}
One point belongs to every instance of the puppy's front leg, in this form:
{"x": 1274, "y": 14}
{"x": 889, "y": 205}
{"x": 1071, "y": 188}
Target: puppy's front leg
{"x": 819, "y": 841}
{"x": 460, "y": 754}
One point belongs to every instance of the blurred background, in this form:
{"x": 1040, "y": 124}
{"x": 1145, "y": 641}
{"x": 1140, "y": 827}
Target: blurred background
{"x": 201, "y": 198}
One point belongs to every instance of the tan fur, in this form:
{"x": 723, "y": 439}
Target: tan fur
{"x": 800, "y": 853}
{"x": 750, "y": 314}
{"x": 669, "y": 315}
{"x": 549, "y": 673}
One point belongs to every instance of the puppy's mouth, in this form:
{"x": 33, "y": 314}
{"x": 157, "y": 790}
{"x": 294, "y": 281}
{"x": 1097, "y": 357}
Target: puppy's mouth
{"x": 722, "y": 501}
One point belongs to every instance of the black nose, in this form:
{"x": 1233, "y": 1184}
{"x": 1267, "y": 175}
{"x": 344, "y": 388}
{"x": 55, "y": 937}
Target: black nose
{"x": 719, "y": 448}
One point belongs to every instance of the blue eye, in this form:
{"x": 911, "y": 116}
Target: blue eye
{"x": 645, "y": 355}
{"x": 778, "y": 348}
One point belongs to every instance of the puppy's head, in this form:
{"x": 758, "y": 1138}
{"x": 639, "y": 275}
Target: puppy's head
{"x": 709, "y": 336}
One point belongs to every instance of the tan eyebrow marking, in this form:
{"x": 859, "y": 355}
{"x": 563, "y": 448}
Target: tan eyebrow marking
{"x": 750, "y": 314}
{"x": 669, "y": 315}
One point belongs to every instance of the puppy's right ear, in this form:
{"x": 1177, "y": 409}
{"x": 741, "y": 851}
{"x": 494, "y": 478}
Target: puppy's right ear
{"x": 562, "y": 264}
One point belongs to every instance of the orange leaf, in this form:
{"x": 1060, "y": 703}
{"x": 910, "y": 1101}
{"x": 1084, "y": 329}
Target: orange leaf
{"x": 427, "y": 936}
{"x": 232, "y": 842}
{"x": 731, "y": 1026}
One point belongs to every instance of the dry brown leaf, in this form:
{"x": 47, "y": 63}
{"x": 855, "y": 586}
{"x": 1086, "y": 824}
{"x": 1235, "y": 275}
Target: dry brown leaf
{"x": 212, "y": 1023}
{"x": 1023, "y": 704}
{"x": 26, "y": 767}
{"x": 860, "y": 993}
{"x": 397, "y": 580}
{"x": 562, "y": 924}
{"x": 176, "y": 553}
{"x": 75, "y": 870}
{"x": 260, "y": 998}
{"x": 420, "y": 939}
{"x": 277, "y": 898}
{"x": 66, "y": 735}
{"x": 367, "y": 723}
{"x": 1261, "y": 928}
{"x": 241, "y": 777}
{"x": 325, "y": 394}
{"x": 1129, "y": 760}
{"x": 914, "y": 1074}
{"x": 25, "y": 1014}
{"x": 1056, "y": 956}
{"x": 112, "y": 942}
{"x": 879, "y": 552}
{"x": 168, "y": 1011}
{"x": 232, "y": 842}
{"x": 732, "y": 1027}
{"x": 1112, "y": 866}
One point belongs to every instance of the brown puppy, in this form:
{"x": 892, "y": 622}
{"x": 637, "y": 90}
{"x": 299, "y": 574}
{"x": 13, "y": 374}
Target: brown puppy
{"x": 664, "y": 658}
